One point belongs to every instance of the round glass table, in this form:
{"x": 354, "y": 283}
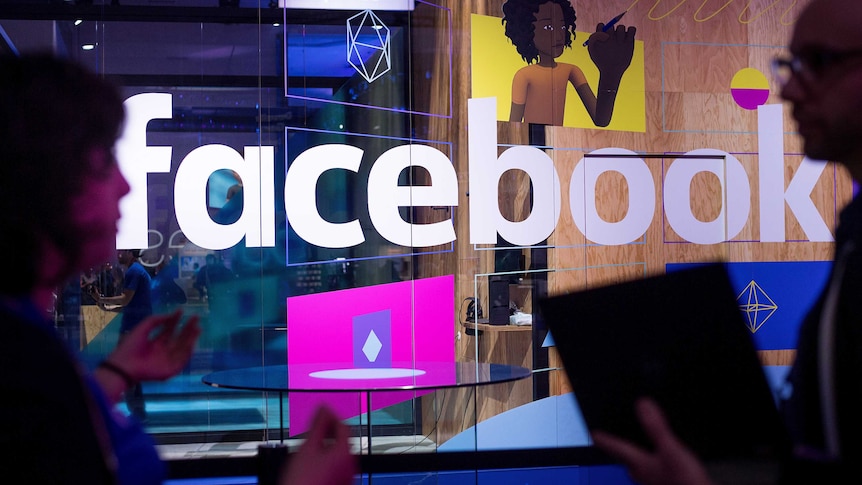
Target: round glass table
{"x": 341, "y": 377}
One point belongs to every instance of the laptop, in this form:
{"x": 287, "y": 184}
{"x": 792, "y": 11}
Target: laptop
{"x": 679, "y": 338}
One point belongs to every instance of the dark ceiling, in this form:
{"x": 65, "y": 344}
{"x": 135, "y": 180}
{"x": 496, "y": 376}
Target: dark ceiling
{"x": 217, "y": 50}
{"x": 183, "y": 37}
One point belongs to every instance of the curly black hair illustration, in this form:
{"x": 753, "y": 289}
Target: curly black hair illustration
{"x": 519, "y": 17}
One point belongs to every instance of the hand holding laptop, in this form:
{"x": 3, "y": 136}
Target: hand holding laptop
{"x": 679, "y": 339}
{"x": 669, "y": 463}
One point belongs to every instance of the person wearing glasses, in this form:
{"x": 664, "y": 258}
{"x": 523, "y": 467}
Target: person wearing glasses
{"x": 822, "y": 81}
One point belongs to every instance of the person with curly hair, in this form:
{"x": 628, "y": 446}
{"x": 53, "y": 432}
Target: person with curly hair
{"x": 60, "y": 188}
{"x": 540, "y": 30}
{"x": 59, "y": 208}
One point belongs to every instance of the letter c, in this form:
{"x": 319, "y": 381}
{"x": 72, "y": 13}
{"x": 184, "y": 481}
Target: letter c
{"x": 300, "y": 187}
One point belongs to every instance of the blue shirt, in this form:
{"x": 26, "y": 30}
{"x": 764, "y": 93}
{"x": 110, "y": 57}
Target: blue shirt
{"x": 141, "y": 306}
{"x": 57, "y": 418}
{"x": 138, "y": 462}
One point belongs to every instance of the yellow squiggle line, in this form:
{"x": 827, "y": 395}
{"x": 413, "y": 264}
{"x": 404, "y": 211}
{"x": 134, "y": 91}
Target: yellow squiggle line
{"x": 714, "y": 13}
{"x": 764, "y": 11}
{"x": 786, "y": 13}
{"x": 657, "y": 3}
{"x": 783, "y": 19}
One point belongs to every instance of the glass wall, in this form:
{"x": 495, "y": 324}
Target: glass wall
{"x": 367, "y": 189}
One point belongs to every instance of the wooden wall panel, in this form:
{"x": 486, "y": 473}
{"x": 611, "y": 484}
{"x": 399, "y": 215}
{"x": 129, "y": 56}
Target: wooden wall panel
{"x": 692, "y": 50}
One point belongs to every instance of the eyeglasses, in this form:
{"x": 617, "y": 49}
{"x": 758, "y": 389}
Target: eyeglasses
{"x": 811, "y": 65}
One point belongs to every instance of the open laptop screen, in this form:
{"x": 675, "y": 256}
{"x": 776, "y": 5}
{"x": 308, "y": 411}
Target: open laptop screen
{"x": 679, "y": 338}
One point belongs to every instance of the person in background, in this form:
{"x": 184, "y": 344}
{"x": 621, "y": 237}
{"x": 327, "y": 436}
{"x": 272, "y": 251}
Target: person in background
{"x": 234, "y": 189}
{"x": 107, "y": 281}
{"x": 89, "y": 279}
{"x": 60, "y": 188}
{"x": 136, "y": 303}
{"x": 167, "y": 295}
{"x": 211, "y": 278}
{"x": 821, "y": 79}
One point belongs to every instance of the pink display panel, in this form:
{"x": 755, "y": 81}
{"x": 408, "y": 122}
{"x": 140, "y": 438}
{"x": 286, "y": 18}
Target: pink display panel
{"x": 366, "y": 338}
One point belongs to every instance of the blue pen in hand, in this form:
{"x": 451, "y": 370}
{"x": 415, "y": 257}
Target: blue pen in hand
{"x": 609, "y": 25}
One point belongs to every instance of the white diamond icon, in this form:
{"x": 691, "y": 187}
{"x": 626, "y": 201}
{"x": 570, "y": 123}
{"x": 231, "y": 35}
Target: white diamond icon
{"x": 372, "y": 347}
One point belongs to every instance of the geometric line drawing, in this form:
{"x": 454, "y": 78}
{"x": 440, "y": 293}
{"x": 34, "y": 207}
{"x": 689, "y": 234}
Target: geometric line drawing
{"x": 367, "y": 22}
{"x": 756, "y": 305}
{"x": 372, "y": 347}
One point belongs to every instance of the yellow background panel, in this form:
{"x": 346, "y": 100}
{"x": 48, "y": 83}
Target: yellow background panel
{"x": 495, "y": 62}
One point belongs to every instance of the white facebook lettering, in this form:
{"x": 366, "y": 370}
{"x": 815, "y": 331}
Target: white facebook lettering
{"x": 770, "y": 147}
{"x": 256, "y": 223}
{"x": 677, "y": 197}
{"x": 385, "y": 196}
{"x": 300, "y": 186}
{"x": 485, "y": 172}
{"x": 136, "y": 160}
{"x": 641, "y": 197}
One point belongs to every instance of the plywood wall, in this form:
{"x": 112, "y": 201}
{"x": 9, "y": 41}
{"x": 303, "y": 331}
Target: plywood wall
{"x": 691, "y": 52}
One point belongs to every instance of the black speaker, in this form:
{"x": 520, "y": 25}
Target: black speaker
{"x": 498, "y": 295}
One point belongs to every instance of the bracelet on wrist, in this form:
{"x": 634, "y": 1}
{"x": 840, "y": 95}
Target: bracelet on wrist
{"x": 111, "y": 367}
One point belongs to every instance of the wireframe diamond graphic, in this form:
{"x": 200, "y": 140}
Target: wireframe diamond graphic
{"x": 756, "y": 306}
{"x": 372, "y": 347}
{"x": 368, "y": 45}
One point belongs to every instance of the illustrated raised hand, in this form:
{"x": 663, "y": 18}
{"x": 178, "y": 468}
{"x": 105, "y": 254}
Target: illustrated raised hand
{"x": 612, "y": 51}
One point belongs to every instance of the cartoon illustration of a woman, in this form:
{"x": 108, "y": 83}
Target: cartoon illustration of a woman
{"x": 540, "y": 30}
